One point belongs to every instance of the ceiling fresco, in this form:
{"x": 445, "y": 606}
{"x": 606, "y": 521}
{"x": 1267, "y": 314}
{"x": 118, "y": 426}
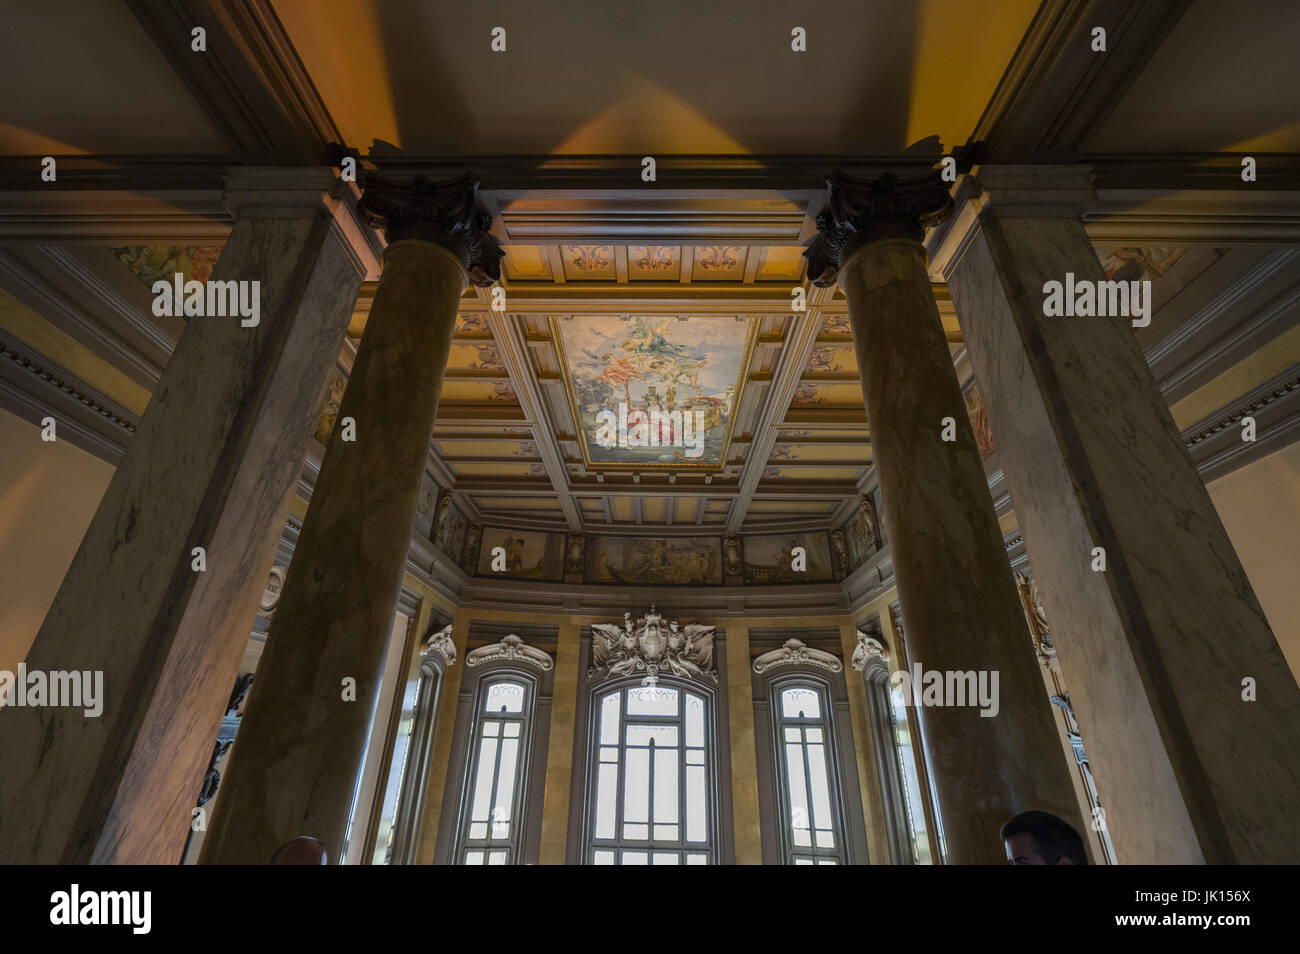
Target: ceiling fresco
{"x": 690, "y": 370}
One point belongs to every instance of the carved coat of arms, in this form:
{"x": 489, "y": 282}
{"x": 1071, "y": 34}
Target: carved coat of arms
{"x": 653, "y": 645}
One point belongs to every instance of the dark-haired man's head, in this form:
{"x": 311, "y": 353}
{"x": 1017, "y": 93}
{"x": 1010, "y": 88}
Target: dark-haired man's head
{"x": 1040, "y": 838}
{"x": 303, "y": 850}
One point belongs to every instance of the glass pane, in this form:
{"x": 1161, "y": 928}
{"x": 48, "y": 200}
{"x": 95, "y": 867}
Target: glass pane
{"x": 606, "y": 794}
{"x": 666, "y": 794}
{"x": 795, "y": 787}
{"x": 492, "y": 728}
{"x": 665, "y": 832}
{"x": 473, "y": 857}
{"x": 496, "y": 857}
{"x": 800, "y": 702}
{"x": 505, "y": 788}
{"x": 815, "y": 735}
{"x": 603, "y": 858}
{"x": 803, "y": 861}
{"x": 694, "y": 756}
{"x": 694, "y": 720}
{"x": 609, "y": 754}
{"x": 792, "y": 734}
{"x": 635, "y": 858}
{"x": 636, "y": 786}
{"x": 825, "y": 838}
{"x": 609, "y": 719}
{"x": 396, "y": 769}
{"x": 665, "y": 858}
{"x": 697, "y": 827}
{"x": 911, "y": 783}
{"x": 820, "y": 779}
{"x": 504, "y": 697}
{"x": 802, "y": 839}
{"x": 478, "y": 830}
{"x": 665, "y": 736}
{"x": 828, "y": 861}
{"x": 652, "y": 700}
{"x": 487, "y": 757}
{"x": 512, "y": 730}
{"x": 697, "y": 859}
{"x": 636, "y": 832}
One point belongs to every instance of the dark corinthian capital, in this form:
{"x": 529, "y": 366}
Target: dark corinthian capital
{"x": 866, "y": 210}
{"x": 445, "y": 213}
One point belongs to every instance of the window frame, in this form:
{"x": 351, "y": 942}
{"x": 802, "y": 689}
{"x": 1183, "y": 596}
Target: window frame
{"x": 847, "y": 800}
{"x": 800, "y": 677}
{"x": 596, "y": 694}
{"x": 528, "y": 794}
{"x": 593, "y": 684}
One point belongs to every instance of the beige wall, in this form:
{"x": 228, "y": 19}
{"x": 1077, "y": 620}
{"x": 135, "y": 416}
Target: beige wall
{"x": 1260, "y": 507}
{"x": 48, "y": 495}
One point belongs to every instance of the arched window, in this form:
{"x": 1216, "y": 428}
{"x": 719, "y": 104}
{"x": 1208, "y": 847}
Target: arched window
{"x": 490, "y": 823}
{"x": 813, "y": 832}
{"x": 651, "y": 780}
{"x": 909, "y": 839}
{"x": 809, "y": 802}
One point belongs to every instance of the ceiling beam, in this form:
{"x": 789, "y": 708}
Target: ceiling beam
{"x": 250, "y": 81}
{"x": 514, "y": 355}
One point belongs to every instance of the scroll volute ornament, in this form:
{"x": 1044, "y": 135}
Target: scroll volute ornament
{"x": 865, "y": 210}
{"x": 445, "y": 213}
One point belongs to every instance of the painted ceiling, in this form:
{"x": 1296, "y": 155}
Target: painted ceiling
{"x": 708, "y": 327}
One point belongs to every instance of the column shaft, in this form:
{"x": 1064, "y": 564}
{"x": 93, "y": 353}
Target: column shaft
{"x": 1156, "y": 647}
{"x": 293, "y": 769}
{"x": 211, "y": 465}
{"x": 953, "y": 577}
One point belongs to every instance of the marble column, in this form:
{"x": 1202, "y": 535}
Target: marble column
{"x": 293, "y": 769}
{"x": 954, "y": 580}
{"x": 212, "y": 465}
{"x": 1157, "y": 646}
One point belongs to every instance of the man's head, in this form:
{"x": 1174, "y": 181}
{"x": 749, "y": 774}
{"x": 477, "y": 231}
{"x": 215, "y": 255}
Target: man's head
{"x": 1040, "y": 838}
{"x": 303, "y": 850}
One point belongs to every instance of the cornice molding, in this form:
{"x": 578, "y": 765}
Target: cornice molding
{"x": 33, "y": 388}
